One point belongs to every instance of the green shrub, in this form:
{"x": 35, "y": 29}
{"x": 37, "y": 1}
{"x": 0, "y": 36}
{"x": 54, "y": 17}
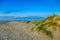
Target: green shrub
{"x": 41, "y": 27}
{"x": 49, "y": 33}
{"x": 27, "y": 21}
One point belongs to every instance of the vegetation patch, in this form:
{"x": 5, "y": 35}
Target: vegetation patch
{"x": 43, "y": 28}
{"x": 45, "y": 23}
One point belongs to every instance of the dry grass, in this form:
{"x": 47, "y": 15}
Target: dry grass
{"x": 51, "y": 23}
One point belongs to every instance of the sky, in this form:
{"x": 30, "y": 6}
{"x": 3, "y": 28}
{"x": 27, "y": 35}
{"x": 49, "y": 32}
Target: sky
{"x": 22, "y": 8}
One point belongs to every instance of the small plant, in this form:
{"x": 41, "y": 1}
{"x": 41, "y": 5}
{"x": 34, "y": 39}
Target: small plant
{"x": 32, "y": 29}
{"x": 43, "y": 28}
{"x": 49, "y": 33}
{"x": 36, "y": 24}
{"x": 27, "y": 21}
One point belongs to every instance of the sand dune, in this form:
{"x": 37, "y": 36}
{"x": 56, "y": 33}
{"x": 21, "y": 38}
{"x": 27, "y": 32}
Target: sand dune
{"x": 16, "y": 30}
{"x": 22, "y": 30}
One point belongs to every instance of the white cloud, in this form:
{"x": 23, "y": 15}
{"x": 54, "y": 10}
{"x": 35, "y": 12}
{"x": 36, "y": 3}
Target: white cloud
{"x": 41, "y": 14}
{"x": 19, "y": 14}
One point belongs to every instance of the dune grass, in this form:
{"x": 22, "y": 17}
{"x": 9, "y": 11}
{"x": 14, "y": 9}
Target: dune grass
{"x": 45, "y": 23}
{"x": 43, "y": 28}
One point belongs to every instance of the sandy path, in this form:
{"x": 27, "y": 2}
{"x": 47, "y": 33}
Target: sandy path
{"x": 21, "y": 31}
{"x": 17, "y": 31}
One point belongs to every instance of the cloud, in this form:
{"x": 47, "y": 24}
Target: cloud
{"x": 18, "y": 14}
{"x": 14, "y": 10}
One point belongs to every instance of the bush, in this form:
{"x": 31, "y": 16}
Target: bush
{"x": 49, "y": 33}
{"x": 43, "y": 28}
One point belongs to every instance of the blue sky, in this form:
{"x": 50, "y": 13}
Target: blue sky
{"x": 29, "y": 7}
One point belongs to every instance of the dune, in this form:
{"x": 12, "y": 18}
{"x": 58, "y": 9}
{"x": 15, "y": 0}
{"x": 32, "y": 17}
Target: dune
{"x": 15, "y": 30}
{"x": 26, "y": 30}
